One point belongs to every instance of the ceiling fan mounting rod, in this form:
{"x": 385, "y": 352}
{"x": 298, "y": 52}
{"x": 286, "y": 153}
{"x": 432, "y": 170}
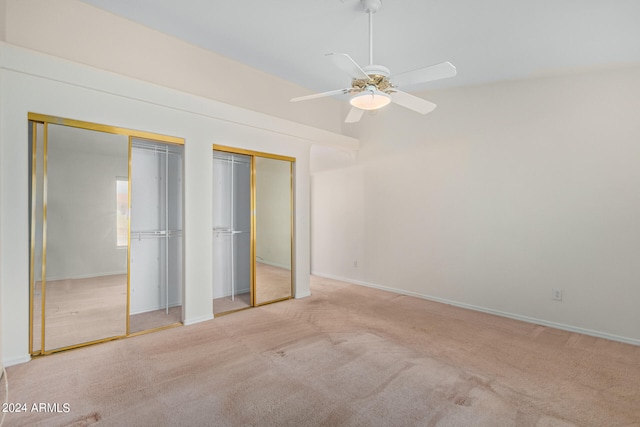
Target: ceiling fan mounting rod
{"x": 370, "y": 37}
{"x": 371, "y": 7}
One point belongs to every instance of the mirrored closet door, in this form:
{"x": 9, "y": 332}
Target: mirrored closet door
{"x": 81, "y": 271}
{"x": 274, "y": 219}
{"x": 81, "y": 283}
{"x": 252, "y": 228}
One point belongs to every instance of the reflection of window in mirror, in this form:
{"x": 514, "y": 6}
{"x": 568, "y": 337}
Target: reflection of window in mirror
{"x": 122, "y": 208}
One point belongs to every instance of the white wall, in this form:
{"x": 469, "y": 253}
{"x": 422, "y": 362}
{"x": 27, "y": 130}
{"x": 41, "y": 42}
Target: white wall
{"x": 31, "y": 82}
{"x": 503, "y": 193}
{"x": 85, "y": 34}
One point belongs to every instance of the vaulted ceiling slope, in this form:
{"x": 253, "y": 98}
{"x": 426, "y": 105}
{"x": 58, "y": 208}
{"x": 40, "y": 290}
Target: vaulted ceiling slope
{"x": 488, "y": 41}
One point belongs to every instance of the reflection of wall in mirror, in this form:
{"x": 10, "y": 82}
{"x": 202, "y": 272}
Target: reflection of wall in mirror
{"x": 82, "y": 213}
{"x": 273, "y": 212}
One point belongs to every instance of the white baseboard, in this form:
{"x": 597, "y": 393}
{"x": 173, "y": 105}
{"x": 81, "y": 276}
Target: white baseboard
{"x": 238, "y": 292}
{"x": 527, "y": 319}
{"x": 16, "y": 360}
{"x": 147, "y": 309}
{"x": 87, "y": 276}
{"x": 195, "y": 320}
{"x": 273, "y": 264}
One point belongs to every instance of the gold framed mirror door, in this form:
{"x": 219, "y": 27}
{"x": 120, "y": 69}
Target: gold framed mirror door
{"x": 252, "y": 228}
{"x": 80, "y": 295}
{"x": 273, "y": 207}
{"x": 81, "y": 253}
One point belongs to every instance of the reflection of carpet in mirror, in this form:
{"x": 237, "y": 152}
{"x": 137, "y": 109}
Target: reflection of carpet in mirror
{"x": 85, "y": 310}
{"x": 81, "y": 310}
{"x": 272, "y": 283}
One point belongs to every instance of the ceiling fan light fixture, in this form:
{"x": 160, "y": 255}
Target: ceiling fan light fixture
{"x": 371, "y": 85}
{"x": 370, "y": 99}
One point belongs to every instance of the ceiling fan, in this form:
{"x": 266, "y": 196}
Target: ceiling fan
{"x": 371, "y": 86}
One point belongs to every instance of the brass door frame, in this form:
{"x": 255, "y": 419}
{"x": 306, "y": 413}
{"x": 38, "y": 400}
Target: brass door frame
{"x": 34, "y": 119}
{"x": 292, "y": 160}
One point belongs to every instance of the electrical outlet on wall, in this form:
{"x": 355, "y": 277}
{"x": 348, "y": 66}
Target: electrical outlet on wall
{"x": 557, "y": 294}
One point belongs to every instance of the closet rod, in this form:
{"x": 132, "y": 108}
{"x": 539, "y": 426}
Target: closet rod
{"x": 227, "y": 230}
{"x": 155, "y": 234}
{"x": 231, "y": 160}
{"x": 153, "y": 149}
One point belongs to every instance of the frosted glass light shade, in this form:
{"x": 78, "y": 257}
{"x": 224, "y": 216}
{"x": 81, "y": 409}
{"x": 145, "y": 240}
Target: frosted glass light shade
{"x": 370, "y": 99}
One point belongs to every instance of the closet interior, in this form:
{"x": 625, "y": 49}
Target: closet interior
{"x": 231, "y": 231}
{"x": 156, "y": 235}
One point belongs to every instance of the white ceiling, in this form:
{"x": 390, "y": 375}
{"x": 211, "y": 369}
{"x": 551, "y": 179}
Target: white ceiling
{"x": 487, "y": 40}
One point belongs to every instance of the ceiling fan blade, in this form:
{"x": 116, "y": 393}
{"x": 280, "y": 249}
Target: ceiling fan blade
{"x": 411, "y": 102}
{"x": 348, "y": 65}
{"x": 321, "y": 95}
{"x": 425, "y": 74}
{"x": 355, "y": 114}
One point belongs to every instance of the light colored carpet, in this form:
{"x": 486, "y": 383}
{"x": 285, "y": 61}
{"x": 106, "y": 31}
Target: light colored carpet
{"x": 346, "y": 356}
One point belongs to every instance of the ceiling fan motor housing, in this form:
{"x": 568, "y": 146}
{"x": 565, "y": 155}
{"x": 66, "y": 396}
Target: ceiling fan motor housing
{"x": 377, "y": 70}
{"x": 378, "y": 77}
